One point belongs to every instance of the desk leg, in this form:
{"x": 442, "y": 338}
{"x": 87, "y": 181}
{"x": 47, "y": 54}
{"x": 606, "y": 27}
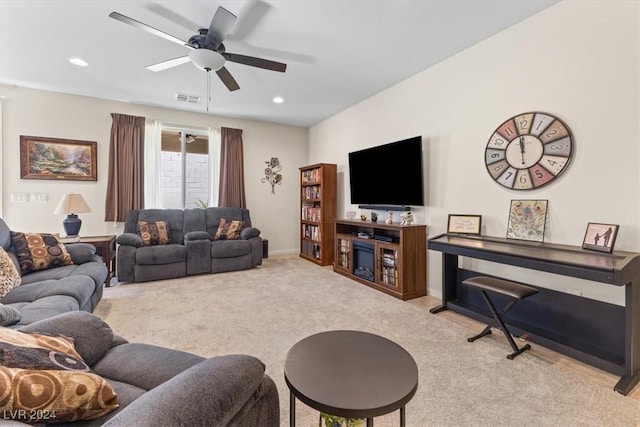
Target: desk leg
{"x": 369, "y": 422}
{"x": 449, "y": 281}
{"x": 632, "y": 339}
{"x": 292, "y": 410}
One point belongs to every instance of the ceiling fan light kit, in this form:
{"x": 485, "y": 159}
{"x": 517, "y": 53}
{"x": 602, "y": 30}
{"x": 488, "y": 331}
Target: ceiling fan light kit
{"x": 207, "y": 60}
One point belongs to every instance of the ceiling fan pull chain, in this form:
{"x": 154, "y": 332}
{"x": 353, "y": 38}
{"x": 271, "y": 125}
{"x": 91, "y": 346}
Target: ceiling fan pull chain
{"x": 208, "y": 87}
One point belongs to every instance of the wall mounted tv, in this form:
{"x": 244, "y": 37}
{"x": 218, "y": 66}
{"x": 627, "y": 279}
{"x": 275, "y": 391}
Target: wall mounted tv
{"x": 387, "y": 175}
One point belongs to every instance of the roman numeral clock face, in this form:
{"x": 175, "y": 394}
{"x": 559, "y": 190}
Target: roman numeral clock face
{"x": 528, "y": 151}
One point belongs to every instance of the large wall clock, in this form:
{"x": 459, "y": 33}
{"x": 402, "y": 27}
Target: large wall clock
{"x": 529, "y": 150}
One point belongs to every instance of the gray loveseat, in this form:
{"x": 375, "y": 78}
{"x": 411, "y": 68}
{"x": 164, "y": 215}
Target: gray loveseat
{"x": 46, "y": 293}
{"x": 157, "y": 386}
{"x": 191, "y": 248}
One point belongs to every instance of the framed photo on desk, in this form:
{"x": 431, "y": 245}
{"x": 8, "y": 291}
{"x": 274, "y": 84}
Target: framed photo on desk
{"x": 464, "y": 224}
{"x": 600, "y": 237}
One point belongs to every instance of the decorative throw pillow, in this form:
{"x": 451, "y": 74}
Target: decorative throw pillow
{"x": 228, "y": 230}
{"x": 9, "y": 276}
{"x": 46, "y": 380}
{"x": 39, "y": 251}
{"x": 9, "y": 315}
{"x": 154, "y": 233}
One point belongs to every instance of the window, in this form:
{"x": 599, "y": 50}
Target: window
{"x": 184, "y": 169}
{"x": 181, "y": 166}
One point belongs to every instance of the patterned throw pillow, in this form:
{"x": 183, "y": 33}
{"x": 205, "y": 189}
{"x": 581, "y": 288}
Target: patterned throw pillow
{"x": 45, "y": 379}
{"x": 228, "y": 230}
{"x": 9, "y": 276}
{"x": 39, "y": 251}
{"x": 154, "y": 233}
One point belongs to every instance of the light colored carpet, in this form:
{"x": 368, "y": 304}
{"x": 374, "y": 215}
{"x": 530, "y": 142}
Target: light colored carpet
{"x": 265, "y": 311}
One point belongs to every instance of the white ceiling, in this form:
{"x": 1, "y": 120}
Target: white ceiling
{"x": 338, "y": 52}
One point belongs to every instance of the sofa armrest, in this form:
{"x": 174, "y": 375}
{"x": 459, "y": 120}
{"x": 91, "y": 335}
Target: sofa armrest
{"x": 249, "y": 232}
{"x": 209, "y": 393}
{"x": 130, "y": 239}
{"x": 81, "y": 252}
{"x": 196, "y": 235}
{"x": 93, "y": 337}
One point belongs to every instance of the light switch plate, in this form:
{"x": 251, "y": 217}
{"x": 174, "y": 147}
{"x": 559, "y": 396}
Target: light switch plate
{"x": 19, "y": 197}
{"x": 39, "y": 197}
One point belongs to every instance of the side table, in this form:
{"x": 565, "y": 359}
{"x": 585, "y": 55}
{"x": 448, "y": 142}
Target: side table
{"x": 350, "y": 374}
{"x": 105, "y": 248}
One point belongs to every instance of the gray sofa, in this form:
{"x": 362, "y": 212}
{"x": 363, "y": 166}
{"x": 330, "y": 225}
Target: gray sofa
{"x": 46, "y": 293}
{"x": 157, "y": 386}
{"x": 191, "y": 249}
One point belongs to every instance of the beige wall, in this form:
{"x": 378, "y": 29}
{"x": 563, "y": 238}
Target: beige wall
{"x": 577, "y": 60}
{"x": 49, "y": 114}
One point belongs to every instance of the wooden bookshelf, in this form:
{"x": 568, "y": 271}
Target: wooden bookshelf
{"x": 318, "y": 185}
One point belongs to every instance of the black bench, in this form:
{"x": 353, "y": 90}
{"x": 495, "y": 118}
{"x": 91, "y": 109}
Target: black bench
{"x": 514, "y": 290}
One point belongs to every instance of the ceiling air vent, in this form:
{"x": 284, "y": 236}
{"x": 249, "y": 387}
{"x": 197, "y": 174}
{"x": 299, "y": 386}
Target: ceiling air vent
{"x": 189, "y": 99}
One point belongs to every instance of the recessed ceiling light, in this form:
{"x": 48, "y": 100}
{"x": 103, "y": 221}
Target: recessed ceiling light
{"x": 278, "y": 100}
{"x": 79, "y": 62}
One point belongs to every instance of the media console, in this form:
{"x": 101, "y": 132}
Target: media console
{"x": 601, "y": 334}
{"x": 392, "y": 258}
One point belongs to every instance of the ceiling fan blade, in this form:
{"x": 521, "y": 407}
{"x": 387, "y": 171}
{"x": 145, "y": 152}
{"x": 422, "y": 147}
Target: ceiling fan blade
{"x": 255, "y": 62}
{"x": 122, "y": 18}
{"x": 227, "y": 79}
{"x": 160, "y": 66}
{"x": 220, "y": 26}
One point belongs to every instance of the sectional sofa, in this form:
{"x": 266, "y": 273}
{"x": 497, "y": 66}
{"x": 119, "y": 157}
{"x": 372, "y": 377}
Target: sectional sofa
{"x": 47, "y": 292}
{"x": 155, "y": 386}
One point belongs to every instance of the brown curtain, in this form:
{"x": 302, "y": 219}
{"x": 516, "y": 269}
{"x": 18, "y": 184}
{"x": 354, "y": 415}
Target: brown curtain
{"x": 125, "y": 187}
{"x": 231, "y": 192}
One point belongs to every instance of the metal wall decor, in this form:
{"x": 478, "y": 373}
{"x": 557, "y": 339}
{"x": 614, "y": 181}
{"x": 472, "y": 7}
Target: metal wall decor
{"x": 272, "y": 173}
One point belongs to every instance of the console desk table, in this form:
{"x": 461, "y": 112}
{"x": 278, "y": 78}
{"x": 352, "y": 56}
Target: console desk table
{"x": 602, "y": 334}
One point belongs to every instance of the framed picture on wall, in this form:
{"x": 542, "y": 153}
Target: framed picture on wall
{"x": 527, "y": 220}
{"x": 58, "y": 159}
{"x": 600, "y": 237}
{"x": 464, "y": 224}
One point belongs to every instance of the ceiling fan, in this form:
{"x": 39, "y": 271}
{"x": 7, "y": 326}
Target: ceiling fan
{"x": 207, "y": 50}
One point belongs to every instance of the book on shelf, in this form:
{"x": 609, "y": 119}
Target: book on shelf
{"x": 312, "y": 175}
{"x": 311, "y": 213}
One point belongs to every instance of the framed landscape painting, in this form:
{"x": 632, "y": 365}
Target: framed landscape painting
{"x": 527, "y": 220}
{"x": 59, "y": 159}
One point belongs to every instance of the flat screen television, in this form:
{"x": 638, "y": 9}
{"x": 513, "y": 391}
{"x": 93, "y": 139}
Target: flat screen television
{"x": 388, "y": 175}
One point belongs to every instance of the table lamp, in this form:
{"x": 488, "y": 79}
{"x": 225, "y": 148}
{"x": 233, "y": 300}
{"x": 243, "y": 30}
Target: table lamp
{"x": 72, "y": 204}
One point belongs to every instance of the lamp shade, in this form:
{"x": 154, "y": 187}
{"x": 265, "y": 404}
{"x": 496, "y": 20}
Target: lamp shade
{"x": 72, "y": 204}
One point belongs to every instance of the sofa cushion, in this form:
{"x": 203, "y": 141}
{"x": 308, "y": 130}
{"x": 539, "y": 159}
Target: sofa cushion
{"x": 164, "y": 254}
{"x": 154, "y": 233}
{"x": 9, "y": 276}
{"x": 228, "y": 229}
{"x": 39, "y": 251}
{"x": 79, "y": 288}
{"x": 81, "y": 252}
{"x": 5, "y": 235}
{"x": 9, "y": 315}
{"x": 47, "y": 378}
{"x": 230, "y": 248}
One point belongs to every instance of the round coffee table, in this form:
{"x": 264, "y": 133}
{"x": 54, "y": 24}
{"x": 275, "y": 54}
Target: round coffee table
{"x": 350, "y": 374}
